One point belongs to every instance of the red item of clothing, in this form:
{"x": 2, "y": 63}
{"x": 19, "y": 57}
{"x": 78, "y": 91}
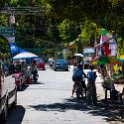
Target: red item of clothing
{"x": 107, "y": 51}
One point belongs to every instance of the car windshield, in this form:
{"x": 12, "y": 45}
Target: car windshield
{"x": 61, "y": 61}
{"x": 39, "y": 60}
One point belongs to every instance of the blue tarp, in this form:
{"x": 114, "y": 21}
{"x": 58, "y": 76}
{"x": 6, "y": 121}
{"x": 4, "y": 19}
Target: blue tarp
{"x": 15, "y": 49}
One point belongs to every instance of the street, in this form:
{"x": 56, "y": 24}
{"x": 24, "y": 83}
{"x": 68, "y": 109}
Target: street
{"x": 40, "y": 33}
{"x": 50, "y": 102}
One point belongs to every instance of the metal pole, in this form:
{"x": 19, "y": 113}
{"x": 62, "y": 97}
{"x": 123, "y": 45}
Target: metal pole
{"x": 8, "y": 12}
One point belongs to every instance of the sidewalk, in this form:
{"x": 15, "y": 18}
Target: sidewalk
{"x": 100, "y": 91}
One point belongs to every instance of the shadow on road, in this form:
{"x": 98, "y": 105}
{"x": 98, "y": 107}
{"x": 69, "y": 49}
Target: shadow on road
{"x": 23, "y": 88}
{"x": 16, "y": 115}
{"x": 38, "y": 82}
{"x": 109, "y": 112}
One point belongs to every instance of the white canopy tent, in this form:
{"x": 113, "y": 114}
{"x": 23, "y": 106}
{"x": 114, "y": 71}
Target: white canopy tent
{"x": 25, "y": 55}
{"x": 79, "y": 55}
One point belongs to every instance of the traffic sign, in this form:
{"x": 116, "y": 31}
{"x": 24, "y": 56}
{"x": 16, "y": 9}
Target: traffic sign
{"x": 7, "y": 31}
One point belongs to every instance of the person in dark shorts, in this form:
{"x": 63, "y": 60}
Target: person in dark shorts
{"x": 77, "y": 76}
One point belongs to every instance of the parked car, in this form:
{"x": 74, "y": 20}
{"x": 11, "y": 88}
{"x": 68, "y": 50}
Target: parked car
{"x": 40, "y": 63}
{"x": 60, "y": 64}
{"x": 8, "y": 88}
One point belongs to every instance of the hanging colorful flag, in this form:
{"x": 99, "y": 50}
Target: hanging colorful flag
{"x": 104, "y": 32}
{"x": 101, "y": 39}
{"x": 104, "y": 35}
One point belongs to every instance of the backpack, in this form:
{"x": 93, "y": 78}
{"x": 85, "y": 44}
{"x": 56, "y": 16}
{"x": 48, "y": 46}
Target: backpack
{"x": 77, "y": 73}
{"x": 91, "y": 76}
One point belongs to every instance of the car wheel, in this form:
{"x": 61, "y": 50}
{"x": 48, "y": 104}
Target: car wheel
{"x": 15, "y": 102}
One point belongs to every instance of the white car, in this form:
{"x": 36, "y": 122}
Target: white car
{"x": 8, "y": 88}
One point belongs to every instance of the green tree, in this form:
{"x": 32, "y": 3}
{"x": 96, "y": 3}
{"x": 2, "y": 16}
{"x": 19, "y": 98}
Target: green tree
{"x": 88, "y": 33}
{"x": 104, "y": 12}
{"x": 69, "y": 30}
{"x": 32, "y": 27}
{"x": 55, "y": 27}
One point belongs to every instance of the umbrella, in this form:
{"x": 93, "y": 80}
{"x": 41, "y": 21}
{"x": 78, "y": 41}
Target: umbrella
{"x": 79, "y": 54}
{"x": 25, "y": 55}
{"x": 103, "y": 60}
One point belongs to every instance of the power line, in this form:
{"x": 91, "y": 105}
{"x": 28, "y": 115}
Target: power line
{"x": 23, "y": 10}
{"x": 51, "y": 28}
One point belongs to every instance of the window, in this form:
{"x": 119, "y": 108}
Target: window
{"x": 5, "y": 57}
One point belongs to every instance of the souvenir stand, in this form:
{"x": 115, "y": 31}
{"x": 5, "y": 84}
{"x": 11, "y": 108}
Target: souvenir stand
{"x": 106, "y": 57}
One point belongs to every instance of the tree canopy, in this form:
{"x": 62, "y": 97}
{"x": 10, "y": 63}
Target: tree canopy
{"x": 99, "y": 11}
{"x": 63, "y": 20}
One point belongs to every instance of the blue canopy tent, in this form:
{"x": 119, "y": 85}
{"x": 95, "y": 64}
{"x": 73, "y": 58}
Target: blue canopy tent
{"x": 15, "y": 49}
{"x": 28, "y": 56}
{"x": 22, "y": 50}
{"x": 25, "y": 55}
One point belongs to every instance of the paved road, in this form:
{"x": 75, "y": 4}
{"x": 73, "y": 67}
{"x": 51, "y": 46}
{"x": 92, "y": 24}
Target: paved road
{"x": 50, "y": 102}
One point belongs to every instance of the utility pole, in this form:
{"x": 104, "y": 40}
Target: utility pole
{"x": 11, "y": 16}
{"x": 9, "y": 30}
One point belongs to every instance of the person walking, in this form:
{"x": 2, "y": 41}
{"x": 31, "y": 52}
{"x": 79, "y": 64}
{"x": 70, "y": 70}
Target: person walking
{"x": 77, "y": 77}
{"x": 91, "y": 95}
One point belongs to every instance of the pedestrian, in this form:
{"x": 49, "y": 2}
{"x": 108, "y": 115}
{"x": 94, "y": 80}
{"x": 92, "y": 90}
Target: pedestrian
{"x": 121, "y": 96}
{"x": 113, "y": 92}
{"x": 91, "y": 95}
{"x": 17, "y": 66}
{"x": 33, "y": 68}
{"x": 28, "y": 76}
{"x": 24, "y": 68}
{"x": 77, "y": 77}
{"x": 51, "y": 61}
{"x": 104, "y": 72}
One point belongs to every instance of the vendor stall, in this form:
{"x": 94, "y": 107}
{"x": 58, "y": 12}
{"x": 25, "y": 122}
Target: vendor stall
{"x": 106, "y": 58}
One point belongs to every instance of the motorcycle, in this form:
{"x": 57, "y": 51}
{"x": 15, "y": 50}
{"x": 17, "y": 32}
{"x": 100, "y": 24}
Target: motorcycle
{"x": 51, "y": 65}
{"x": 28, "y": 77}
{"x": 35, "y": 75}
{"x": 80, "y": 89}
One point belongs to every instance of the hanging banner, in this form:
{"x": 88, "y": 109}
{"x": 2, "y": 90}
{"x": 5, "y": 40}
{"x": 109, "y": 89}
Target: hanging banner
{"x": 11, "y": 39}
{"x": 7, "y": 31}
